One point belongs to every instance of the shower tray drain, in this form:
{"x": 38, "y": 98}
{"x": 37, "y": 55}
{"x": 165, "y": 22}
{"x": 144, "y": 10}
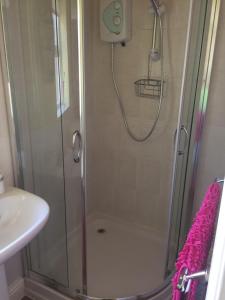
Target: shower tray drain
{"x": 101, "y": 230}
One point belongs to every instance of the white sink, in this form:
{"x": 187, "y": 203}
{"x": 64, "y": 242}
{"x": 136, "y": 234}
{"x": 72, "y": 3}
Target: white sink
{"x": 22, "y": 216}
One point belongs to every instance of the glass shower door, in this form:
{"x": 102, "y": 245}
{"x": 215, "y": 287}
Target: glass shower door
{"x": 41, "y": 46}
{"x": 192, "y": 114}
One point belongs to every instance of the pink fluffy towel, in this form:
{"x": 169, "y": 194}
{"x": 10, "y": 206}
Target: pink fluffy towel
{"x": 195, "y": 251}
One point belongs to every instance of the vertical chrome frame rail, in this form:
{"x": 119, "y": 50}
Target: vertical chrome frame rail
{"x": 81, "y": 62}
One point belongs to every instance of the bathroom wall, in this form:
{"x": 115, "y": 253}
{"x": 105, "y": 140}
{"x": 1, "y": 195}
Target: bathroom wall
{"x": 14, "y": 265}
{"x": 128, "y": 180}
{"x": 212, "y": 155}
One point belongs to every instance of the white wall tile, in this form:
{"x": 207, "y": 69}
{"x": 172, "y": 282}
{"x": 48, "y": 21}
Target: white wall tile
{"x": 133, "y": 182}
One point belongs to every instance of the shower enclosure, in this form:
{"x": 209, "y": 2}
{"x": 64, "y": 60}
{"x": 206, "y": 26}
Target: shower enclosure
{"x": 120, "y": 209}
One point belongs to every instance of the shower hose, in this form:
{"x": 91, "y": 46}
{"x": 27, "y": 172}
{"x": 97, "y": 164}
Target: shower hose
{"x": 120, "y": 101}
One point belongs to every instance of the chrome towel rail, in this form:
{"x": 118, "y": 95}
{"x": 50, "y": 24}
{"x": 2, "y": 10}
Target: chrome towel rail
{"x": 219, "y": 180}
{"x": 185, "y": 279}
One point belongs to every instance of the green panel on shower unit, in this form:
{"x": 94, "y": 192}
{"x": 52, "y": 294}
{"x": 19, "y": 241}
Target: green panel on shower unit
{"x": 113, "y": 17}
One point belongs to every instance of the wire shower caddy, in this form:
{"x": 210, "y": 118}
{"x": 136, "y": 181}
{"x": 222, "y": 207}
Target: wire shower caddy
{"x": 148, "y": 88}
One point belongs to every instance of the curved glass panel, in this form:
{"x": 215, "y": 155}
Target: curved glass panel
{"x": 42, "y": 52}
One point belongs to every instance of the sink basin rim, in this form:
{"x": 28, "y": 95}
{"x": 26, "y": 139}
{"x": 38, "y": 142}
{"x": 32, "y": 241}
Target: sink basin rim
{"x": 27, "y": 233}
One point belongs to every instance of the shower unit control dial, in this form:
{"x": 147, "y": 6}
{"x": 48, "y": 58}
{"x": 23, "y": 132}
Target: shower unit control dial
{"x": 115, "y": 20}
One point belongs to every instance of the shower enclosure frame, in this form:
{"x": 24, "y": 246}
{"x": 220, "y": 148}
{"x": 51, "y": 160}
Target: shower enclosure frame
{"x": 197, "y": 118}
{"x": 193, "y": 148}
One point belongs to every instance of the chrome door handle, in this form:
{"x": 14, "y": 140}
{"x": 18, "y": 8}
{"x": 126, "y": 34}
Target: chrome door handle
{"x": 76, "y": 142}
{"x": 184, "y": 129}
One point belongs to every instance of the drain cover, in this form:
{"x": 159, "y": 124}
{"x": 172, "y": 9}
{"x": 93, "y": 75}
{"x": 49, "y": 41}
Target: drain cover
{"x": 101, "y": 230}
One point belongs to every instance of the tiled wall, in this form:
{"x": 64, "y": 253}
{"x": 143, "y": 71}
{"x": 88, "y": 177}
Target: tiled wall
{"x": 212, "y": 157}
{"x": 126, "y": 179}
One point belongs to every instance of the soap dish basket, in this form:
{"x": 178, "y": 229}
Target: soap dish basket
{"x": 148, "y": 88}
